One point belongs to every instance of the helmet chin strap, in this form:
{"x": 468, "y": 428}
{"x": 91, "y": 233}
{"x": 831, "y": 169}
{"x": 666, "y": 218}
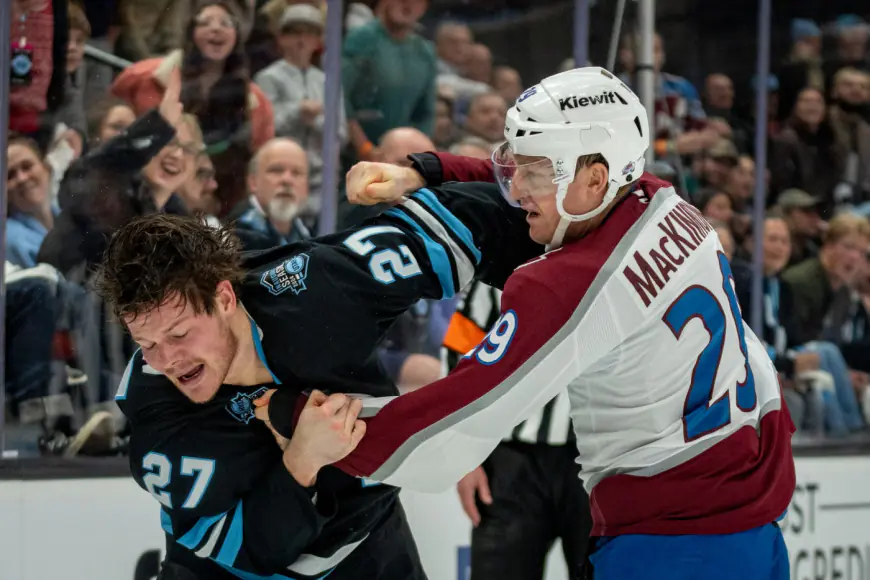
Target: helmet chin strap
{"x": 566, "y": 219}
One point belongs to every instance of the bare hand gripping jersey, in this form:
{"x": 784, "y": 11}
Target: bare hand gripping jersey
{"x": 676, "y": 406}
{"x": 317, "y": 310}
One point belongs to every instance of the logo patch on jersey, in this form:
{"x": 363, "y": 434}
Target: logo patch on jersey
{"x": 241, "y": 407}
{"x": 290, "y": 275}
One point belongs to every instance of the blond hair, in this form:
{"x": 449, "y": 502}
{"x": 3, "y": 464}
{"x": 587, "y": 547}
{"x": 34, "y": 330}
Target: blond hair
{"x": 844, "y": 225}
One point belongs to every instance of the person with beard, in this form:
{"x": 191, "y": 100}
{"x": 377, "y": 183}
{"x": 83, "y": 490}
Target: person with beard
{"x": 806, "y": 155}
{"x": 852, "y": 130}
{"x": 278, "y": 182}
{"x": 235, "y": 115}
{"x": 297, "y": 90}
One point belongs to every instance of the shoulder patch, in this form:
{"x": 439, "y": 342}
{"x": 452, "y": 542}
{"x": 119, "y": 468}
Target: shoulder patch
{"x": 241, "y": 407}
{"x": 289, "y": 275}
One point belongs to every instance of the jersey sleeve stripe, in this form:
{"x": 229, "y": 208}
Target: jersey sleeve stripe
{"x": 208, "y": 547}
{"x": 464, "y": 266}
{"x": 121, "y": 394}
{"x": 456, "y": 227}
{"x": 233, "y": 540}
{"x": 195, "y": 535}
{"x": 311, "y": 565}
{"x": 438, "y": 257}
{"x": 166, "y": 522}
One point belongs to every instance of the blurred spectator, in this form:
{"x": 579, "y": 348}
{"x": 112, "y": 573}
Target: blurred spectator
{"x": 719, "y": 103}
{"x": 445, "y": 133}
{"x": 855, "y": 337}
{"x": 852, "y": 34}
{"x": 680, "y": 124}
{"x": 395, "y": 146}
{"x": 803, "y": 68}
{"x": 278, "y": 182}
{"x": 846, "y": 115}
{"x": 358, "y": 14}
{"x": 478, "y": 67}
{"x": 773, "y": 121}
{"x": 235, "y": 116}
{"x": 821, "y": 285}
{"x": 807, "y": 154}
{"x": 388, "y": 73}
{"x": 30, "y": 215}
{"x": 109, "y": 118}
{"x": 715, "y": 167}
{"x": 198, "y": 192}
{"x": 72, "y": 111}
{"x": 485, "y": 119}
{"x": 133, "y": 174}
{"x": 507, "y": 82}
{"x": 105, "y": 21}
{"x": 149, "y": 28}
{"x": 474, "y": 147}
{"x": 715, "y": 205}
{"x": 800, "y": 211}
{"x": 725, "y": 237}
{"x": 815, "y": 374}
{"x": 297, "y": 91}
{"x": 453, "y": 45}
{"x": 40, "y": 29}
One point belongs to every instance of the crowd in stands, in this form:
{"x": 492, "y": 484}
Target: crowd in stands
{"x": 221, "y": 115}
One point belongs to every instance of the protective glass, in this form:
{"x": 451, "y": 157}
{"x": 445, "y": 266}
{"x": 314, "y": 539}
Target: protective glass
{"x": 520, "y": 176}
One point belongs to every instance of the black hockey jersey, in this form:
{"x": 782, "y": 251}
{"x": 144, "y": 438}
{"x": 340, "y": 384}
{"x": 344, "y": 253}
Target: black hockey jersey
{"x": 317, "y": 310}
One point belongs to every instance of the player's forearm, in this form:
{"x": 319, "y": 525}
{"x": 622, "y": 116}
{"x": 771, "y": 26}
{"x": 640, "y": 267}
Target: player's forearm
{"x": 438, "y": 168}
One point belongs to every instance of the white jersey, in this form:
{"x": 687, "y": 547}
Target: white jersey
{"x": 677, "y": 409}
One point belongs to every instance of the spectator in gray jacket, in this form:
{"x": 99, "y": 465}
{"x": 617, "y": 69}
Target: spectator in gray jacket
{"x": 296, "y": 89}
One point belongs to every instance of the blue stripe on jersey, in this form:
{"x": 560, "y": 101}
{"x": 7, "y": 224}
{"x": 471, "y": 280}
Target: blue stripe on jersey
{"x": 121, "y": 394}
{"x": 427, "y": 198}
{"x": 251, "y": 576}
{"x": 194, "y": 536}
{"x": 233, "y": 540}
{"x": 258, "y": 345}
{"x": 437, "y": 254}
{"x": 165, "y": 522}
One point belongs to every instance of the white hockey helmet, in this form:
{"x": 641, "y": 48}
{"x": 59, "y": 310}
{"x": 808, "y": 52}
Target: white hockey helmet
{"x": 564, "y": 117}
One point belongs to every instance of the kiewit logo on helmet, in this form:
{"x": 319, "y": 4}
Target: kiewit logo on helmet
{"x": 572, "y": 102}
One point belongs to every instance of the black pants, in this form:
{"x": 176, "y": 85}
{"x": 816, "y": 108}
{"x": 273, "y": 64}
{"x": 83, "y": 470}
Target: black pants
{"x": 536, "y": 498}
{"x": 389, "y": 553}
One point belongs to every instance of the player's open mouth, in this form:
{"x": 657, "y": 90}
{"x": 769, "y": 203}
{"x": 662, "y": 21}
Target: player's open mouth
{"x": 192, "y": 375}
{"x": 532, "y": 215}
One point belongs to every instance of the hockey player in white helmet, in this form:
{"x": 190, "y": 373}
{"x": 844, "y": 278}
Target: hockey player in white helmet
{"x": 683, "y": 437}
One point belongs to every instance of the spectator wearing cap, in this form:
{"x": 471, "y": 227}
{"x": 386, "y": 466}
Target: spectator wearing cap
{"x": 800, "y": 211}
{"x": 389, "y": 76}
{"x": 773, "y": 122}
{"x": 714, "y": 168}
{"x": 852, "y": 35}
{"x": 847, "y": 117}
{"x": 807, "y": 154}
{"x": 297, "y": 90}
{"x": 803, "y": 68}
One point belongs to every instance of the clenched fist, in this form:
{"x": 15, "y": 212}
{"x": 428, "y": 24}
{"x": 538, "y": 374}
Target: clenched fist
{"x": 372, "y": 183}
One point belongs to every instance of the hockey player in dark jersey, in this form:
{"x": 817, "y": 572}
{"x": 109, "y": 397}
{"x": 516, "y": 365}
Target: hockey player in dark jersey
{"x": 216, "y": 330}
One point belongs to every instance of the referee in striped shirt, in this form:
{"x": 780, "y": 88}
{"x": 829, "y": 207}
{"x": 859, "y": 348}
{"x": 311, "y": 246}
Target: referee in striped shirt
{"x": 528, "y": 492}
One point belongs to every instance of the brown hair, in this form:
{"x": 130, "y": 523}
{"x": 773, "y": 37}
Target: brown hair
{"x": 163, "y": 256}
{"x": 78, "y": 20}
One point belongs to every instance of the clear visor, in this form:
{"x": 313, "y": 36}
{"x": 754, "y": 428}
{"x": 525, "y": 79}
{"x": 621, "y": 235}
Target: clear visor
{"x": 520, "y": 176}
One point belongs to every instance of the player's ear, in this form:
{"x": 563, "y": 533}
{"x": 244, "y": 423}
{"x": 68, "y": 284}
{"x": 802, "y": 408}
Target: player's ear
{"x": 225, "y": 298}
{"x": 598, "y": 179}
